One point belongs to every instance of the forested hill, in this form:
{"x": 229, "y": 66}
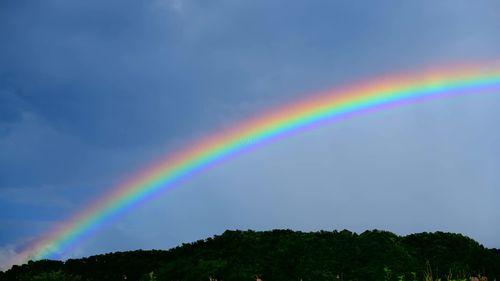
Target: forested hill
{"x": 284, "y": 255}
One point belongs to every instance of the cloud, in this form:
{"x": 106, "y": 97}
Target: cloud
{"x": 91, "y": 91}
{"x": 10, "y": 107}
{"x": 177, "y": 6}
{"x": 22, "y": 241}
{"x": 7, "y": 252}
{"x": 37, "y": 197}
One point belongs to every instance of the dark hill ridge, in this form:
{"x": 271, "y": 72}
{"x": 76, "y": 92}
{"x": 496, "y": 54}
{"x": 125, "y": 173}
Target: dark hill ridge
{"x": 284, "y": 255}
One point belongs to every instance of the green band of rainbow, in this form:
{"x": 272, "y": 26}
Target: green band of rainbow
{"x": 322, "y": 107}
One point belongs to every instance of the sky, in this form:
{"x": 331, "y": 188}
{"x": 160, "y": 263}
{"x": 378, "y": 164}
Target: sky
{"x": 93, "y": 91}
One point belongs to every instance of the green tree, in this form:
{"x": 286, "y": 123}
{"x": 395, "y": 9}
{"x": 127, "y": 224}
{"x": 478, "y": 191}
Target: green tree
{"x": 51, "y": 276}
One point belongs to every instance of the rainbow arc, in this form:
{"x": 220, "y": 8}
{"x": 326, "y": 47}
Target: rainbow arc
{"x": 316, "y": 109}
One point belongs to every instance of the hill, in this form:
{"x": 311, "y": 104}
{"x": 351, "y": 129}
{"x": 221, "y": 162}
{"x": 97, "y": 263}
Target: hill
{"x": 284, "y": 255}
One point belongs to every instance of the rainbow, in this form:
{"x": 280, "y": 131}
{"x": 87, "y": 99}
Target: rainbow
{"x": 314, "y": 110}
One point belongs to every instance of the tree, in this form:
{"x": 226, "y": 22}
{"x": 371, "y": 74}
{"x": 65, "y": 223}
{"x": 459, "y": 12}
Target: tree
{"x": 51, "y": 276}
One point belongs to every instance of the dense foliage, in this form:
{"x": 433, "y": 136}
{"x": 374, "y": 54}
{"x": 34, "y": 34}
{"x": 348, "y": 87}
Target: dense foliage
{"x": 284, "y": 255}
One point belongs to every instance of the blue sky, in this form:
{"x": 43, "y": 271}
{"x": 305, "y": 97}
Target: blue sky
{"x": 91, "y": 91}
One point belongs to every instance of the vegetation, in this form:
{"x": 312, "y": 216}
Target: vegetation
{"x": 284, "y": 255}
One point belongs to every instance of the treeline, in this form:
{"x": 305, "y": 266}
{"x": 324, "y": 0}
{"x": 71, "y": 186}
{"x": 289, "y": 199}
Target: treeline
{"x": 284, "y": 255}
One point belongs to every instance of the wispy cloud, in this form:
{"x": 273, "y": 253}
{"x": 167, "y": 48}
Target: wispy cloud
{"x": 175, "y": 5}
{"x": 7, "y": 252}
{"x": 46, "y": 196}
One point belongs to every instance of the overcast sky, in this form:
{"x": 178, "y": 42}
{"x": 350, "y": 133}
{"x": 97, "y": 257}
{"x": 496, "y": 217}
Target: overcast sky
{"x": 91, "y": 91}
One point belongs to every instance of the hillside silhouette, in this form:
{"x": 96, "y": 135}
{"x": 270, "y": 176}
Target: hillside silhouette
{"x": 284, "y": 255}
